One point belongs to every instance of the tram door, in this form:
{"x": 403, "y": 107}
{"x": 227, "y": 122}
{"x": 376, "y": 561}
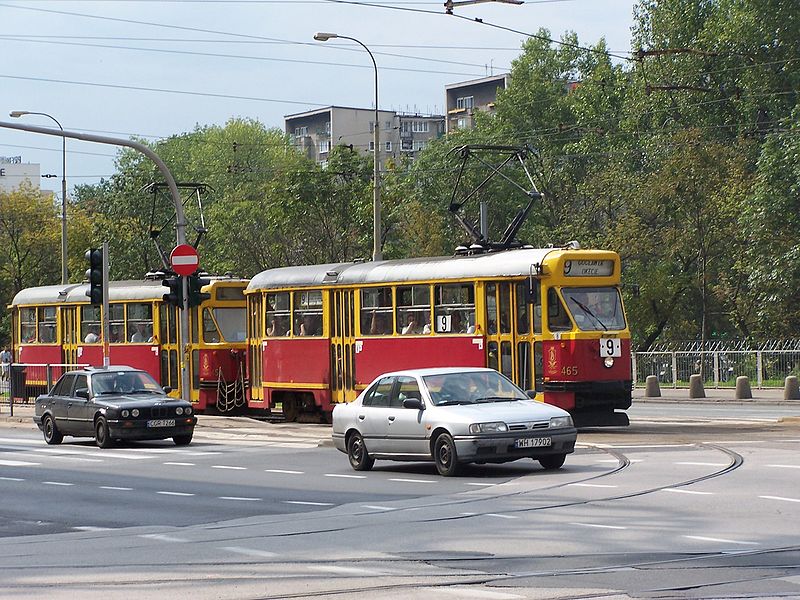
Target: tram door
{"x": 70, "y": 337}
{"x": 510, "y": 335}
{"x": 168, "y": 336}
{"x": 342, "y": 327}
{"x": 255, "y": 333}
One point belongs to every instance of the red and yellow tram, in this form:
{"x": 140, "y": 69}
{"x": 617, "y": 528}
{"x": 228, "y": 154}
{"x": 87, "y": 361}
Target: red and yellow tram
{"x": 550, "y": 319}
{"x": 56, "y": 325}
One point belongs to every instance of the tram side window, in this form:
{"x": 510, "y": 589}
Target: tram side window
{"x": 140, "y": 323}
{"x": 414, "y": 309}
{"x": 376, "y": 311}
{"x": 454, "y": 311}
{"x": 278, "y": 314}
{"x": 28, "y": 325}
{"x": 557, "y": 318}
{"x": 116, "y": 323}
{"x": 47, "y": 324}
{"x": 523, "y": 308}
{"x": 90, "y": 324}
{"x": 308, "y": 313}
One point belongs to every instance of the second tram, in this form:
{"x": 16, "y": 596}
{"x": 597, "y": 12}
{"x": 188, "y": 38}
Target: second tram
{"x": 56, "y": 325}
{"x": 551, "y": 319}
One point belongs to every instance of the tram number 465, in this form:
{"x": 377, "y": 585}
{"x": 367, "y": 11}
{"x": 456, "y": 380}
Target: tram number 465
{"x": 610, "y": 347}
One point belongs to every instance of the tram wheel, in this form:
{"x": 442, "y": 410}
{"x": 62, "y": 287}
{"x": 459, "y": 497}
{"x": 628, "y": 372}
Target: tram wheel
{"x": 291, "y": 409}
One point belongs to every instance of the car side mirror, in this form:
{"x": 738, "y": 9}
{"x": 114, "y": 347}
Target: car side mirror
{"x": 167, "y": 389}
{"x": 531, "y": 394}
{"x": 414, "y": 403}
{"x": 82, "y": 394}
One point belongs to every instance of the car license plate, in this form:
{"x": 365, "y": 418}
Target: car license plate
{"x": 533, "y": 442}
{"x": 161, "y": 423}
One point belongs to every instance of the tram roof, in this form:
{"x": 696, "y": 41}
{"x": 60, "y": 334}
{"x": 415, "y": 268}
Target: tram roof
{"x": 508, "y": 263}
{"x": 118, "y": 291}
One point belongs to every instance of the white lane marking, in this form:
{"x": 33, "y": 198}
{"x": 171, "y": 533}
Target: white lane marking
{"x": 710, "y": 539}
{"x": 57, "y": 483}
{"x": 102, "y": 453}
{"x": 376, "y": 507}
{"x": 114, "y": 487}
{"x": 174, "y": 494}
{"x": 249, "y": 551}
{"x": 645, "y": 446}
{"x": 308, "y": 503}
{"x": 463, "y": 593}
{"x": 739, "y": 442}
{"x": 285, "y": 471}
{"x": 477, "y": 483}
{"x": 343, "y": 570}
{"x": 469, "y": 514}
{"x": 682, "y": 491}
{"x": 201, "y": 453}
{"x": 345, "y": 476}
{"x": 242, "y": 498}
{"x": 599, "y": 526}
{"x": 413, "y": 480}
{"x": 17, "y": 463}
{"x": 180, "y": 464}
{"x": 79, "y": 459}
{"x": 608, "y": 460}
{"x": 229, "y": 467}
{"x": 784, "y": 466}
{"x": 500, "y": 516}
{"x": 702, "y": 464}
{"x": 594, "y": 485}
{"x": 91, "y": 528}
{"x": 780, "y": 498}
{"x": 163, "y": 538}
{"x": 11, "y": 479}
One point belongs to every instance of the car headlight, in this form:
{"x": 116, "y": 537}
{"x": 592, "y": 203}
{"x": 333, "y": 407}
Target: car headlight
{"x": 494, "y": 427}
{"x": 187, "y": 410}
{"x": 608, "y": 362}
{"x": 135, "y": 412}
{"x": 125, "y": 413}
{"x": 179, "y": 410}
{"x": 560, "y": 422}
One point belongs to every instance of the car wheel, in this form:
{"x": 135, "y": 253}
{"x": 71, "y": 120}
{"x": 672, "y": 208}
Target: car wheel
{"x": 101, "y": 436}
{"x": 445, "y": 455}
{"x": 553, "y": 461}
{"x": 51, "y": 433}
{"x": 360, "y": 459}
{"x": 182, "y": 440}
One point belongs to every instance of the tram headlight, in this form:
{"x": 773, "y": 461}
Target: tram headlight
{"x": 494, "y": 427}
{"x": 556, "y": 422}
{"x": 608, "y": 362}
{"x": 135, "y": 412}
{"x": 179, "y": 410}
{"x": 125, "y": 413}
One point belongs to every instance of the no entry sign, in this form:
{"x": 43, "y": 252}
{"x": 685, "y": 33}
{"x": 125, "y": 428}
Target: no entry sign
{"x": 184, "y": 259}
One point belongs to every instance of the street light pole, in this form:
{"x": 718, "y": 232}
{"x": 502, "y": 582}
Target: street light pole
{"x": 377, "y": 254}
{"x": 19, "y": 113}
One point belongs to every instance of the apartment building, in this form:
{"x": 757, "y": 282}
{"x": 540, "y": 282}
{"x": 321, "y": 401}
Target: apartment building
{"x": 13, "y": 172}
{"x": 315, "y": 132}
{"x": 463, "y": 100}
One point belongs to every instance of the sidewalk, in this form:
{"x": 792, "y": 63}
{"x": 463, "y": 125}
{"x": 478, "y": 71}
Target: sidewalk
{"x": 668, "y": 394}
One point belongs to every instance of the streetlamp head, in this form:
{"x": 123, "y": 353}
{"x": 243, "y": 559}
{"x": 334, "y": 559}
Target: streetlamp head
{"x": 17, "y": 113}
{"x": 324, "y": 37}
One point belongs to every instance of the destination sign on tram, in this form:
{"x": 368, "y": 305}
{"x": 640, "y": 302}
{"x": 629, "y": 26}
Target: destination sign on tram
{"x": 588, "y": 268}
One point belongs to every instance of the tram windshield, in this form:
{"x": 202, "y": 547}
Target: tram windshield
{"x": 230, "y": 323}
{"x": 595, "y": 309}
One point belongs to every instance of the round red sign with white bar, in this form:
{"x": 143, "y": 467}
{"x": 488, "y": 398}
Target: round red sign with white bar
{"x": 184, "y": 259}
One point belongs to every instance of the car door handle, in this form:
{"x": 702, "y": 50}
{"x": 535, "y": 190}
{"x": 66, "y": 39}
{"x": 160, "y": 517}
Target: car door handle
{"x": 69, "y": 405}
{"x": 361, "y": 417}
{"x": 391, "y": 417}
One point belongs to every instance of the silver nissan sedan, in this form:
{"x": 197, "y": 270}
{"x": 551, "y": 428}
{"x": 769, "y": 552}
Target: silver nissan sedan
{"x": 450, "y": 416}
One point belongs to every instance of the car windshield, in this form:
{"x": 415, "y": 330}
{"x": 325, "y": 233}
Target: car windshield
{"x": 595, "y": 309}
{"x": 124, "y": 382}
{"x": 471, "y": 387}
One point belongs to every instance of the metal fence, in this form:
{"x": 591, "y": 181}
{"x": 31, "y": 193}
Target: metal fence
{"x": 21, "y": 383}
{"x": 764, "y": 368}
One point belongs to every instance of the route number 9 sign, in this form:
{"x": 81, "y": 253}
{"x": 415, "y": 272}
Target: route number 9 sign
{"x": 610, "y": 347}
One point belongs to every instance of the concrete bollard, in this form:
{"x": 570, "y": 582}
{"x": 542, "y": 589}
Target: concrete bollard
{"x": 652, "y": 389}
{"x": 743, "y": 391}
{"x": 791, "y": 390}
{"x": 696, "y": 389}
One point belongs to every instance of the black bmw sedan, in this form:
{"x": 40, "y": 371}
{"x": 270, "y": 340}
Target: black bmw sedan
{"x": 112, "y": 403}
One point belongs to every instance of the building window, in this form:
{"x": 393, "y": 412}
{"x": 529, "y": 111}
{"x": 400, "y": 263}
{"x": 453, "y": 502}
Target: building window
{"x": 388, "y": 146}
{"x": 406, "y": 145}
{"x": 300, "y": 131}
{"x": 371, "y": 146}
{"x": 461, "y": 123}
{"x": 328, "y": 127}
{"x": 324, "y": 146}
{"x": 405, "y": 126}
{"x": 371, "y": 126}
{"x": 465, "y": 102}
{"x": 419, "y": 145}
{"x": 420, "y": 126}
{"x": 387, "y": 125}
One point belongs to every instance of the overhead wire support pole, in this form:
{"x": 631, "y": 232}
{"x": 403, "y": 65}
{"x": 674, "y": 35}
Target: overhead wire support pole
{"x": 180, "y": 219}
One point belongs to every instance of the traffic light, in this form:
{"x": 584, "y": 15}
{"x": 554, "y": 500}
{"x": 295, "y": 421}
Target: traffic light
{"x": 196, "y": 296}
{"x": 95, "y": 275}
{"x": 175, "y": 295}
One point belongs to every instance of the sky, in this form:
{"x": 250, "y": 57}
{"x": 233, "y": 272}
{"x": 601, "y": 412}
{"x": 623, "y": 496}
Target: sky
{"x": 156, "y": 68}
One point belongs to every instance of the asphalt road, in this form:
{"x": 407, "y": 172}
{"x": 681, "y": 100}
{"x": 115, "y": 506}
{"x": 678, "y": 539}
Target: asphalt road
{"x": 679, "y": 505}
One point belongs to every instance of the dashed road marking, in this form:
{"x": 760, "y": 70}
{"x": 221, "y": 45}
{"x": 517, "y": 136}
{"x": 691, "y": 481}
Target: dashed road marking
{"x": 594, "y": 485}
{"x": 175, "y": 493}
{"x": 682, "y": 491}
{"x": 163, "y": 538}
{"x": 241, "y": 498}
{"x": 284, "y": 471}
{"x": 780, "y": 498}
{"x": 11, "y": 479}
{"x": 180, "y": 464}
{"x": 499, "y": 516}
{"x": 301, "y": 502}
{"x": 413, "y": 480}
{"x": 376, "y": 507}
{"x": 721, "y": 540}
{"x": 62, "y": 483}
{"x": 229, "y": 467}
{"x": 478, "y": 483}
{"x": 343, "y": 476}
{"x": 343, "y": 570}
{"x": 116, "y": 488}
{"x": 249, "y": 552}
{"x": 598, "y": 526}
{"x": 92, "y": 528}
{"x": 784, "y": 466}
{"x": 18, "y": 463}
{"x": 702, "y": 464}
